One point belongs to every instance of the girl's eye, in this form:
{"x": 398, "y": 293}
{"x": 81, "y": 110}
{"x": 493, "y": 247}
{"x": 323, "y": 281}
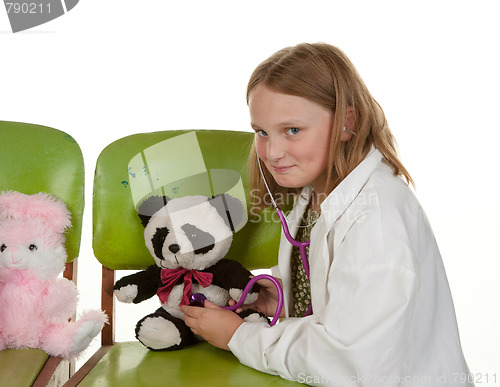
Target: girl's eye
{"x": 292, "y": 131}
{"x": 261, "y": 133}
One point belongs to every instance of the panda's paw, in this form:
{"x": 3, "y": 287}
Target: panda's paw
{"x": 127, "y": 293}
{"x": 251, "y": 315}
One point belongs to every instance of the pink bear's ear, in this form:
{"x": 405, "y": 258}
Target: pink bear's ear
{"x": 52, "y": 212}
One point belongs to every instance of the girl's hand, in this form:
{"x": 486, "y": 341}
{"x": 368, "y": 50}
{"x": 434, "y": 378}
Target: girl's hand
{"x": 267, "y": 302}
{"x": 214, "y": 324}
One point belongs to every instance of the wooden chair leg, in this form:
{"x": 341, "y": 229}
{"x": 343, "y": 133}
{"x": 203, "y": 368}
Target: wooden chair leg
{"x": 87, "y": 367}
{"x": 70, "y": 271}
{"x": 107, "y": 333}
{"x": 52, "y": 367}
{"x": 108, "y": 306}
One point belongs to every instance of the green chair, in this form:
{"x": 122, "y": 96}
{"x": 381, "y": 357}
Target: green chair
{"x": 118, "y": 242}
{"x": 35, "y": 159}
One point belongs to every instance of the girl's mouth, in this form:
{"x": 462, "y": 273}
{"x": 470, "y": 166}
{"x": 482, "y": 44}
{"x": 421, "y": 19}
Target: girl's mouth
{"x": 282, "y": 169}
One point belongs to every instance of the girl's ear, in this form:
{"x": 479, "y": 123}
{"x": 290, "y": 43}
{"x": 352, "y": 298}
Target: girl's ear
{"x": 349, "y": 124}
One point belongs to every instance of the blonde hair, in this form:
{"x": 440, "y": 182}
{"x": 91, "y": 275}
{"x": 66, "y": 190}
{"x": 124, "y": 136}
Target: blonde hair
{"x": 323, "y": 74}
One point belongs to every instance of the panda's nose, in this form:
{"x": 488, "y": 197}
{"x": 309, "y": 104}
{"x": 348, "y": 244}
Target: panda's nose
{"x": 174, "y": 248}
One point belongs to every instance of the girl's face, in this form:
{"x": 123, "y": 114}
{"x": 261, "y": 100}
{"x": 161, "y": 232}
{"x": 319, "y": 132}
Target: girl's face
{"x": 292, "y": 137}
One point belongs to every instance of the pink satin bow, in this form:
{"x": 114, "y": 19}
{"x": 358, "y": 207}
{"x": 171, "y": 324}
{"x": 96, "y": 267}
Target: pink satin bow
{"x": 169, "y": 277}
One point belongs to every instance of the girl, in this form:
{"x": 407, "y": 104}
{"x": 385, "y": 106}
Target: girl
{"x": 382, "y": 312}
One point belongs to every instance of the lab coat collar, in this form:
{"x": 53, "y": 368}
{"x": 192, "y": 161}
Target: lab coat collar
{"x": 343, "y": 195}
{"x": 320, "y": 255}
{"x": 339, "y": 199}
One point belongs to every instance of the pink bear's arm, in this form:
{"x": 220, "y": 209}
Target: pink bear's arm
{"x": 59, "y": 303}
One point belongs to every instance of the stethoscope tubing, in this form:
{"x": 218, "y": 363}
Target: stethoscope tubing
{"x": 301, "y": 245}
{"x": 198, "y": 299}
{"x": 247, "y": 289}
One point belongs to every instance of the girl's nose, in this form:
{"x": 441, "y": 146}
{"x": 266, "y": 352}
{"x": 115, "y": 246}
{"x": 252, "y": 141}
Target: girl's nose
{"x": 275, "y": 149}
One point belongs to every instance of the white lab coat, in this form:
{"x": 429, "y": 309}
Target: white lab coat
{"x": 382, "y": 308}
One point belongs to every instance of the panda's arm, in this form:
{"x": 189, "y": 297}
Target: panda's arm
{"x": 139, "y": 286}
{"x": 232, "y": 276}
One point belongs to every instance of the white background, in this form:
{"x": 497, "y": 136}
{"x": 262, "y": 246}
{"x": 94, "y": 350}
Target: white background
{"x": 110, "y": 68}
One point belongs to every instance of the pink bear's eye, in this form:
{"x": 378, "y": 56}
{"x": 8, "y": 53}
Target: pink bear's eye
{"x": 33, "y": 247}
{"x": 3, "y": 248}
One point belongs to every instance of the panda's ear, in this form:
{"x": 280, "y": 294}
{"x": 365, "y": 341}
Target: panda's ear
{"x": 150, "y": 206}
{"x": 229, "y": 208}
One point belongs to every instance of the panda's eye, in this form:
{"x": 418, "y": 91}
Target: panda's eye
{"x": 3, "y": 248}
{"x": 201, "y": 241}
{"x": 158, "y": 240}
{"x": 33, "y": 247}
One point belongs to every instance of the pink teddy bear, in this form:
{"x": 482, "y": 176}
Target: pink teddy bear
{"x": 36, "y": 305}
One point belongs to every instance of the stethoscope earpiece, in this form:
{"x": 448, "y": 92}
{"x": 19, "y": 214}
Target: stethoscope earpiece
{"x": 344, "y": 129}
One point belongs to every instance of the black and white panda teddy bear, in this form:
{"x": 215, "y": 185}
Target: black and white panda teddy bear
{"x": 188, "y": 238}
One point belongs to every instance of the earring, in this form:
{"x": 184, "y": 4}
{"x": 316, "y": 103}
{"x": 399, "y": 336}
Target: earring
{"x": 344, "y": 129}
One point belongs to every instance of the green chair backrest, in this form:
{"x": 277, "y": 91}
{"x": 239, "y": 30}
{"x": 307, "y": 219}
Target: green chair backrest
{"x": 36, "y": 158}
{"x": 118, "y": 235}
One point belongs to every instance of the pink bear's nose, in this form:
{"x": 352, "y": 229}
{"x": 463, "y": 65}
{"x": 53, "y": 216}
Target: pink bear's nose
{"x": 13, "y": 248}
{"x": 11, "y": 251}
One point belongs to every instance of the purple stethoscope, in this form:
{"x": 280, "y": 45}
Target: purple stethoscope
{"x": 198, "y": 299}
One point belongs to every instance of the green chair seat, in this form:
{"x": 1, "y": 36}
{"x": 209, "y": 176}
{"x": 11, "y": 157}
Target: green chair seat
{"x": 20, "y": 367}
{"x": 130, "y": 364}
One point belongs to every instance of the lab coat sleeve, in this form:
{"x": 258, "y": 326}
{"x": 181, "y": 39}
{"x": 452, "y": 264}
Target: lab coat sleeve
{"x": 360, "y": 335}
